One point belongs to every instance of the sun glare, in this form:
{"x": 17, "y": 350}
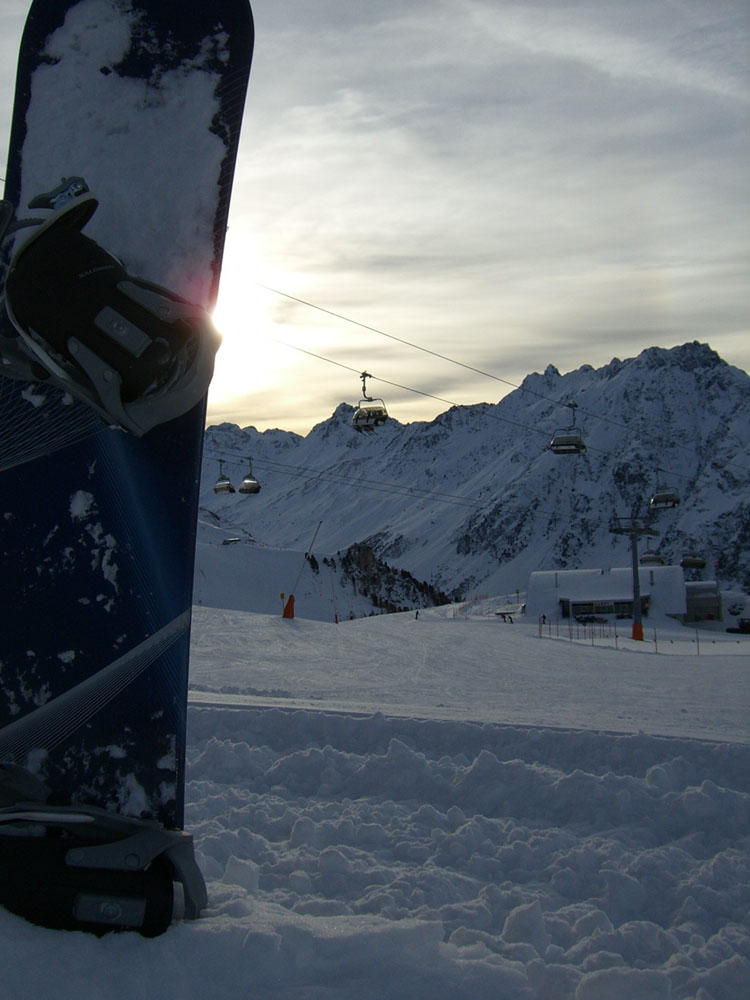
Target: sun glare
{"x": 248, "y": 360}
{"x": 257, "y": 367}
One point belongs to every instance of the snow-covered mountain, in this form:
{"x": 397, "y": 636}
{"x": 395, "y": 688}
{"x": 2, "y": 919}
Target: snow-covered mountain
{"x": 234, "y": 571}
{"x": 474, "y": 500}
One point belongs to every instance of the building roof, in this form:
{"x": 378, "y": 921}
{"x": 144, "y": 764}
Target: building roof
{"x": 663, "y": 585}
{"x": 694, "y": 587}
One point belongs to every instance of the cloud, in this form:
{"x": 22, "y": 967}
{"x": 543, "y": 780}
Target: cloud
{"x": 509, "y": 184}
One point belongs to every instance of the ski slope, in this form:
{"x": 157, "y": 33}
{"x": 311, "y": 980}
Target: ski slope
{"x": 479, "y": 668}
{"x": 448, "y": 807}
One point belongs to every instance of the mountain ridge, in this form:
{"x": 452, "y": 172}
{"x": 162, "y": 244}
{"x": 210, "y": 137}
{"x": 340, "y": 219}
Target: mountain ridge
{"x": 475, "y": 499}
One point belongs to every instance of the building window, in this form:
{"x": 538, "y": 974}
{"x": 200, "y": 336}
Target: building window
{"x": 579, "y": 609}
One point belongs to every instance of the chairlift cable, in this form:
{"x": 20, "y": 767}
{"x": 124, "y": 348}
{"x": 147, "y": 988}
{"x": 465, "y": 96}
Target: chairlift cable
{"x": 390, "y": 336}
{"x": 421, "y": 392}
{"x": 409, "y": 490}
{"x": 435, "y": 354}
{"x": 304, "y": 560}
{"x": 327, "y": 475}
{"x": 372, "y": 485}
{"x": 461, "y": 364}
{"x": 494, "y": 416}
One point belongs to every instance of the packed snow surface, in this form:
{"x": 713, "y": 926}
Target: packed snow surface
{"x": 448, "y": 807}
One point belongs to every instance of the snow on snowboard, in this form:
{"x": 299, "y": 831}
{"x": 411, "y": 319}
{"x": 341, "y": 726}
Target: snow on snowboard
{"x": 123, "y": 143}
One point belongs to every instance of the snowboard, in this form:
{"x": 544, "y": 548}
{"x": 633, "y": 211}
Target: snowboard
{"x": 141, "y": 102}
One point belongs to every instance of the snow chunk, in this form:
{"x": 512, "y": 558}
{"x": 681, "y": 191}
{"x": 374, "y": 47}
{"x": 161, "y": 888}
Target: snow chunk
{"x": 239, "y": 871}
{"x": 624, "y": 984}
{"x": 333, "y": 861}
{"x": 625, "y": 895}
{"x": 35, "y": 398}
{"x": 594, "y": 920}
{"x": 82, "y": 504}
{"x": 92, "y": 33}
{"x": 526, "y": 924}
{"x": 132, "y": 797}
{"x": 300, "y": 881}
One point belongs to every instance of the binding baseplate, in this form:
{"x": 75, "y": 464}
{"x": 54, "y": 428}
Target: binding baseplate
{"x": 139, "y": 354}
{"x": 78, "y": 867}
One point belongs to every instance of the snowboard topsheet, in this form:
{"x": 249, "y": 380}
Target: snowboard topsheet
{"x": 97, "y": 527}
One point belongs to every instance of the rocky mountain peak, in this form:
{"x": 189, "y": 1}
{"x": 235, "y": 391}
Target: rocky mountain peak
{"x": 475, "y": 499}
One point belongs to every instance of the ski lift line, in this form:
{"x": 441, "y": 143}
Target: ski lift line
{"x": 385, "y": 381}
{"x": 435, "y": 354}
{"x": 450, "y": 402}
{"x": 416, "y": 493}
{"x": 363, "y": 479}
{"x": 408, "y": 388}
{"x": 301, "y": 469}
{"x": 374, "y": 488}
{"x": 377, "y": 486}
{"x": 330, "y": 477}
{"x": 493, "y": 416}
{"x": 304, "y": 560}
{"x": 395, "y": 489}
{"x": 390, "y": 336}
{"x": 320, "y": 357}
{"x": 454, "y": 361}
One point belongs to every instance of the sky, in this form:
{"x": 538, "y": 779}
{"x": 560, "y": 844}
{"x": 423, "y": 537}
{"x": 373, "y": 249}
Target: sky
{"x": 507, "y": 185}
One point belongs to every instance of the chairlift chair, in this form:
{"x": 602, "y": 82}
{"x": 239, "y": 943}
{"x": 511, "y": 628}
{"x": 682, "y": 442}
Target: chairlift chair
{"x": 650, "y": 558}
{"x": 250, "y": 484}
{"x": 370, "y": 413}
{"x": 223, "y": 484}
{"x": 692, "y": 560}
{"x": 568, "y": 440}
{"x": 664, "y": 498}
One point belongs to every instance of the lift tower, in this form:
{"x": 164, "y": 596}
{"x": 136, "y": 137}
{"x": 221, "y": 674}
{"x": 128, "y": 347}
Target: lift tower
{"x": 635, "y": 527}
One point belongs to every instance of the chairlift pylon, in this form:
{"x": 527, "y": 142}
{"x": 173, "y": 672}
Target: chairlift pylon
{"x": 223, "y": 484}
{"x": 370, "y": 413}
{"x": 568, "y": 440}
{"x": 249, "y": 483}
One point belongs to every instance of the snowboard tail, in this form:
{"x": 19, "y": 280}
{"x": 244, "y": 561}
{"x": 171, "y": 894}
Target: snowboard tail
{"x": 88, "y": 869}
{"x": 143, "y": 98}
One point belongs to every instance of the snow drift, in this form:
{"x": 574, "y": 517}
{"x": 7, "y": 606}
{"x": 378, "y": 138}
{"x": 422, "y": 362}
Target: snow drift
{"x": 529, "y": 817}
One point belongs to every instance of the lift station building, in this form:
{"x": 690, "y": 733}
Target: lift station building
{"x": 584, "y": 593}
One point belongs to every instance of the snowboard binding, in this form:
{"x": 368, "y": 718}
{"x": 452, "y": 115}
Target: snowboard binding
{"x": 139, "y": 354}
{"x": 83, "y": 868}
